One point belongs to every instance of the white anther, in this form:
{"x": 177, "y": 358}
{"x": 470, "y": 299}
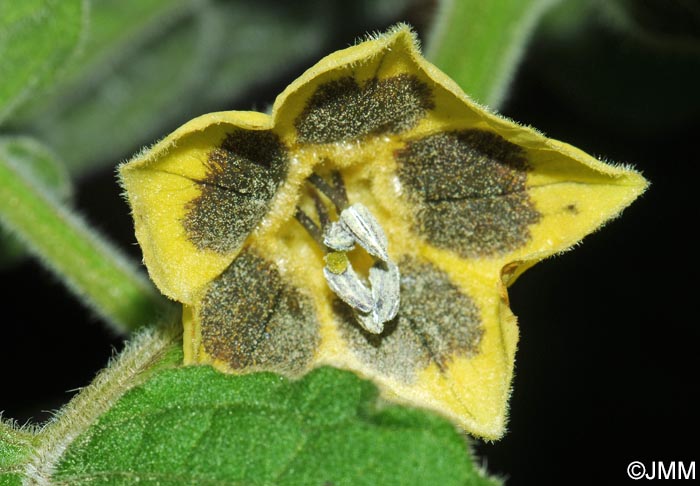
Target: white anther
{"x": 373, "y": 306}
{"x": 348, "y": 286}
{"x": 337, "y": 238}
{"x": 366, "y": 230}
{"x": 369, "y": 323}
{"x": 385, "y": 281}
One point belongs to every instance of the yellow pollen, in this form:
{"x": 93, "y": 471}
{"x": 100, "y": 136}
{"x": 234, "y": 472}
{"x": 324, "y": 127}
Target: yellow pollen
{"x": 337, "y": 262}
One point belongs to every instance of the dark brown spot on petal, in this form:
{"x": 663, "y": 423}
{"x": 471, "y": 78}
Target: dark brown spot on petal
{"x": 253, "y": 320}
{"x": 469, "y": 191}
{"x": 243, "y": 175}
{"x": 342, "y": 110}
{"x": 571, "y": 208}
{"x": 435, "y": 323}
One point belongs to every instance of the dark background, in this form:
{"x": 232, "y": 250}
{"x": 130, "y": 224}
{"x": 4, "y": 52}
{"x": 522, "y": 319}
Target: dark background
{"x": 607, "y": 360}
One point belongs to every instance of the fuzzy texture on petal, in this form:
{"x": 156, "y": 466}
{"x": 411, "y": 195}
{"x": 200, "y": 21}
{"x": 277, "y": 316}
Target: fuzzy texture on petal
{"x": 468, "y": 200}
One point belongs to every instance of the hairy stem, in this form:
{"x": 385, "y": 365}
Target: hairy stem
{"x": 124, "y": 372}
{"x": 97, "y": 272}
{"x": 479, "y": 44}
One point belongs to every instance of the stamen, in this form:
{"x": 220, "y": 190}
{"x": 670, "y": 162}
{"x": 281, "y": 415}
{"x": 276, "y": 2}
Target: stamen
{"x": 348, "y": 286}
{"x": 323, "y": 216}
{"x": 309, "y": 225}
{"x": 366, "y": 230}
{"x": 337, "y": 238}
{"x": 336, "y": 194}
{"x": 373, "y": 306}
{"x": 339, "y": 185}
{"x": 358, "y": 225}
{"x": 385, "y": 280}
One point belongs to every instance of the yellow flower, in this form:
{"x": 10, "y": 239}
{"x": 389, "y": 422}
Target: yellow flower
{"x": 371, "y": 222}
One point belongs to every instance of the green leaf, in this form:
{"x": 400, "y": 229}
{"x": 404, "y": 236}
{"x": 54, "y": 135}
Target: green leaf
{"x": 44, "y": 168}
{"x": 96, "y": 271}
{"x": 39, "y": 164}
{"x": 148, "y": 66}
{"x": 120, "y": 26}
{"x": 479, "y": 44}
{"x": 15, "y": 447}
{"x": 191, "y": 58}
{"x": 36, "y": 39}
{"x": 147, "y": 91}
{"x": 117, "y": 27}
{"x": 194, "y": 425}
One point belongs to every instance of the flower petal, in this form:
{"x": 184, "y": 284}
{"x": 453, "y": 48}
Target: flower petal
{"x": 198, "y": 194}
{"x": 467, "y": 201}
{"x": 251, "y": 319}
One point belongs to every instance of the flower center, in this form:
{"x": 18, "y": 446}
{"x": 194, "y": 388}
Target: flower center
{"x": 373, "y": 303}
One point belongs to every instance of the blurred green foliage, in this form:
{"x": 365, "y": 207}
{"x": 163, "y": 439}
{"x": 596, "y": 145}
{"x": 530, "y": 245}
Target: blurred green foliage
{"x": 84, "y": 83}
{"x": 146, "y": 67}
{"x": 40, "y": 165}
{"x": 37, "y": 38}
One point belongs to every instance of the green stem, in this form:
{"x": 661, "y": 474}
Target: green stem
{"x": 98, "y": 273}
{"x": 479, "y": 43}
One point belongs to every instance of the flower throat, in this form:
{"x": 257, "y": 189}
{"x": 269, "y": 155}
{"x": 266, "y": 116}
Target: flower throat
{"x": 377, "y": 303}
